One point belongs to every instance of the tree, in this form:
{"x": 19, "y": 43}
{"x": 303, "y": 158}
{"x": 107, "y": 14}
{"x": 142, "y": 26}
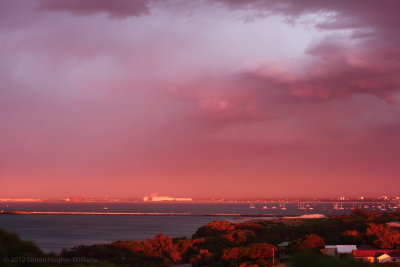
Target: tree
{"x": 203, "y": 258}
{"x": 351, "y": 237}
{"x": 12, "y": 246}
{"x": 383, "y": 236}
{"x": 250, "y": 252}
{"x": 369, "y": 215}
{"x": 239, "y": 236}
{"x": 309, "y": 242}
{"x": 214, "y": 228}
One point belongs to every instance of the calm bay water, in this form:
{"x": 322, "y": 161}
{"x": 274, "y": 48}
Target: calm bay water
{"x": 54, "y": 232}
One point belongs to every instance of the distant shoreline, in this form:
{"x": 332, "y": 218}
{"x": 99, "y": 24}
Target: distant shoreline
{"x": 153, "y": 214}
{"x": 137, "y": 214}
{"x": 196, "y": 201}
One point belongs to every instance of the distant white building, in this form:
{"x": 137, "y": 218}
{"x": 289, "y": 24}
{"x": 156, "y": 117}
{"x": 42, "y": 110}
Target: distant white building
{"x": 154, "y": 198}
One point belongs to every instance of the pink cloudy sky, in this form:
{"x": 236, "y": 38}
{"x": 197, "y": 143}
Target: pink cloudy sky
{"x": 222, "y": 98}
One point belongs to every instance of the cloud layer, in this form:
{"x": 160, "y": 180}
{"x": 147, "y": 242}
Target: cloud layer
{"x": 114, "y": 9}
{"x": 214, "y": 98}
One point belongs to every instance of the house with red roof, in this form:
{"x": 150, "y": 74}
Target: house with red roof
{"x": 338, "y": 250}
{"x": 377, "y": 255}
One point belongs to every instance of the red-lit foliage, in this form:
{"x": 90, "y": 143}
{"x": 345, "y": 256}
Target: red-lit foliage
{"x": 250, "y": 252}
{"x": 220, "y": 226}
{"x": 353, "y": 233}
{"x": 238, "y": 233}
{"x": 383, "y": 236}
{"x": 238, "y": 236}
{"x": 351, "y": 237}
{"x": 248, "y": 226}
{"x": 197, "y": 241}
{"x": 246, "y": 244}
{"x": 368, "y": 215}
{"x": 215, "y": 228}
{"x": 203, "y": 258}
{"x": 245, "y": 264}
{"x": 309, "y": 242}
{"x": 159, "y": 247}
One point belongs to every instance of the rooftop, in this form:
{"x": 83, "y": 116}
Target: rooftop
{"x": 345, "y": 248}
{"x": 369, "y": 253}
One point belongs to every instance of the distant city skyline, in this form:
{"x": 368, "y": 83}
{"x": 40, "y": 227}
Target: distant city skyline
{"x": 201, "y": 99}
{"x": 158, "y": 198}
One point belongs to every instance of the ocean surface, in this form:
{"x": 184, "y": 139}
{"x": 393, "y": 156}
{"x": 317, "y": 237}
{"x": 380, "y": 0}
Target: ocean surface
{"x": 55, "y": 232}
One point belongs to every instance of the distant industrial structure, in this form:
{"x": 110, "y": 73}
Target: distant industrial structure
{"x": 154, "y": 198}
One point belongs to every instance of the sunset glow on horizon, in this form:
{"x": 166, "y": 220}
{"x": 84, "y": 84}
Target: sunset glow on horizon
{"x": 208, "y": 98}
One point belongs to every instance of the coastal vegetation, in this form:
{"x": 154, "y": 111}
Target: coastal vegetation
{"x": 223, "y": 243}
{"x": 12, "y": 246}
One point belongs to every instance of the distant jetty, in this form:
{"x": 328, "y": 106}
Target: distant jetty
{"x": 141, "y": 214}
